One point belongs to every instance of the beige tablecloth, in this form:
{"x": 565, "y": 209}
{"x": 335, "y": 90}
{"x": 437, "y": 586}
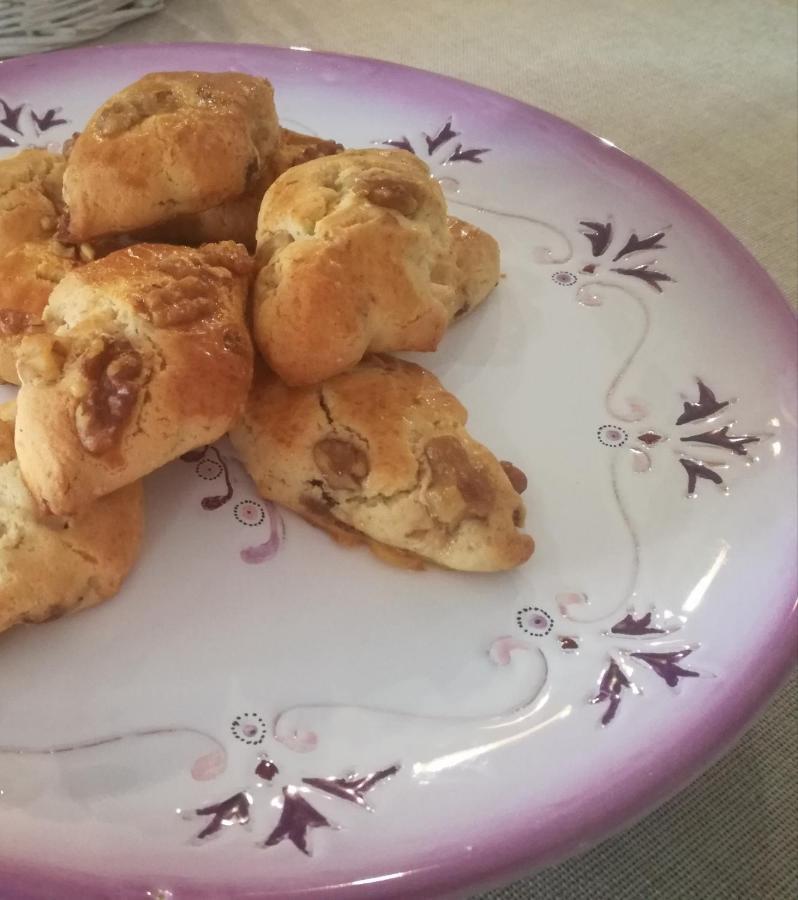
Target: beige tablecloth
{"x": 705, "y": 92}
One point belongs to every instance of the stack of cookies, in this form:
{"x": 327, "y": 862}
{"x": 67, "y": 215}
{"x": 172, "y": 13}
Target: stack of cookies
{"x": 139, "y": 326}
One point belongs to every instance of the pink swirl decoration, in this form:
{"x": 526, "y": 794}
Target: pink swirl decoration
{"x": 260, "y": 553}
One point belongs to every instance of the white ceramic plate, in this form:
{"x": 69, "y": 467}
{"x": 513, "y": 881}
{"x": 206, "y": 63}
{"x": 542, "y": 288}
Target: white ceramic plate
{"x": 261, "y": 712}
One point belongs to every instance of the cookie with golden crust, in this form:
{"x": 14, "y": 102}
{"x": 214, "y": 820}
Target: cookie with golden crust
{"x": 381, "y": 454}
{"x": 30, "y": 197}
{"x": 145, "y": 355}
{"x": 51, "y": 566}
{"x": 348, "y": 250}
{"x": 169, "y": 144}
{"x": 28, "y": 273}
{"x": 474, "y": 265}
{"x": 237, "y": 219}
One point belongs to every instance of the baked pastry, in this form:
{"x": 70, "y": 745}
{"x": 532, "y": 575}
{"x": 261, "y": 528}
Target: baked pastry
{"x": 145, "y": 355}
{"x": 380, "y": 454}
{"x": 50, "y": 566}
{"x": 30, "y": 197}
{"x": 171, "y": 143}
{"x": 28, "y": 273}
{"x": 348, "y": 250}
{"x": 237, "y": 219}
{"x": 474, "y": 261}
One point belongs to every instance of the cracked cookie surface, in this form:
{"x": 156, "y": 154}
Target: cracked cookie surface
{"x": 49, "y": 565}
{"x": 380, "y": 454}
{"x": 144, "y": 354}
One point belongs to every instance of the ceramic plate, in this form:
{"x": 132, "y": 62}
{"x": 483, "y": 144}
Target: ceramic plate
{"x": 262, "y": 713}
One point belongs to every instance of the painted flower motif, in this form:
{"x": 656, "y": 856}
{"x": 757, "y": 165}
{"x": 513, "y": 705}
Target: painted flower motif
{"x": 600, "y": 235}
{"x": 612, "y": 435}
{"x": 534, "y": 620}
{"x": 440, "y": 147}
{"x": 564, "y": 279}
{"x": 249, "y": 513}
{"x": 22, "y": 126}
{"x": 209, "y": 469}
{"x": 249, "y": 728}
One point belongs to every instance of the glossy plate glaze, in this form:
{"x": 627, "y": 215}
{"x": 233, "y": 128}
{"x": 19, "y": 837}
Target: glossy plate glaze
{"x": 262, "y": 713}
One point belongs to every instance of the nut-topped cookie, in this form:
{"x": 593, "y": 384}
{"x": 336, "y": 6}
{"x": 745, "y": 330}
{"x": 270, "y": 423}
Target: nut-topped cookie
{"x": 355, "y": 255}
{"x": 381, "y": 454}
{"x": 51, "y": 565}
{"x": 170, "y": 143}
{"x": 144, "y": 355}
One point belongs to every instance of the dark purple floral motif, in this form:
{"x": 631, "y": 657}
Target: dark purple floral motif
{"x": 600, "y": 236}
{"x": 296, "y": 819}
{"x": 696, "y": 469}
{"x": 706, "y": 405}
{"x": 232, "y": 811}
{"x": 568, "y": 644}
{"x": 635, "y": 243}
{"x": 666, "y": 665}
{"x": 645, "y": 273}
{"x": 353, "y": 787}
{"x": 48, "y": 120}
{"x": 441, "y": 140}
{"x": 266, "y": 768}
{"x": 211, "y": 465}
{"x": 649, "y": 438}
{"x": 632, "y": 626}
{"x": 720, "y": 437}
{"x": 25, "y": 122}
{"x": 612, "y": 684}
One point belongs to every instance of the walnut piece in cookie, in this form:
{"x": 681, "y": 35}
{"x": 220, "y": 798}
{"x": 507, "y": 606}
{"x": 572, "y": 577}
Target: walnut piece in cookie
{"x": 380, "y": 454}
{"x": 144, "y": 355}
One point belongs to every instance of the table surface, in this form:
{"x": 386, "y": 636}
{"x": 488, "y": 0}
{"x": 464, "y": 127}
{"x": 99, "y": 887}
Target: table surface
{"x": 705, "y": 92}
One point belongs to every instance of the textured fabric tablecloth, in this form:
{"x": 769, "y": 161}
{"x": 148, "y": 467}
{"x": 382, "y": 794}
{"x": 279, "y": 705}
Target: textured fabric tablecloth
{"x": 705, "y": 92}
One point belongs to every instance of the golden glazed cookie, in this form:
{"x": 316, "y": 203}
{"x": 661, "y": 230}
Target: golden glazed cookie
{"x": 348, "y": 251}
{"x": 28, "y": 273}
{"x": 474, "y": 261}
{"x": 145, "y": 355}
{"x": 169, "y": 144}
{"x": 51, "y": 566}
{"x": 237, "y": 219}
{"x": 30, "y": 197}
{"x": 381, "y": 454}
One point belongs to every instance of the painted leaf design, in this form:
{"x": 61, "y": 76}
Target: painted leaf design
{"x": 7, "y": 141}
{"x": 352, "y": 788}
{"x": 696, "y": 469}
{"x": 444, "y": 135}
{"x": 401, "y": 143}
{"x": 296, "y": 819}
{"x": 472, "y": 155}
{"x": 632, "y": 626}
{"x": 645, "y": 273}
{"x": 720, "y": 437}
{"x": 10, "y": 117}
{"x": 194, "y": 455}
{"x": 232, "y": 811}
{"x": 48, "y": 120}
{"x": 613, "y": 683}
{"x": 635, "y": 243}
{"x": 649, "y": 438}
{"x": 666, "y": 665}
{"x": 706, "y": 405}
{"x": 600, "y": 235}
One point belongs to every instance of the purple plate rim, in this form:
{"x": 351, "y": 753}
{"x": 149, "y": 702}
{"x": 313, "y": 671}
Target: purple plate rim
{"x": 524, "y": 846}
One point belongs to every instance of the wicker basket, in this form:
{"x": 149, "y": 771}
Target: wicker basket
{"x": 29, "y": 26}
